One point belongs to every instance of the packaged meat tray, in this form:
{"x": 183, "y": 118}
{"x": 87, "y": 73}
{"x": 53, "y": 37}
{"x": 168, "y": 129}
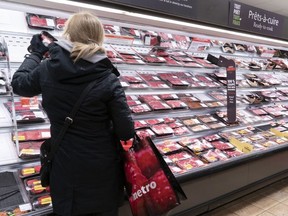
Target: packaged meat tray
{"x": 147, "y": 98}
{"x": 199, "y": 128}
{"x": 40, "y": 21}
{"x": 214, "y": 155}
{"x": 142, "y": 133}
{"x": 233, "y": 152}
{"x": 169, "y": 97}
{"x": 29, "y": 171}
{"x": 29, "y": 149}
{"x": 207, "y": 119}
{"x": 132, "y": 79}
{"x": 182, "y": 155}
{"x": 214, "y": 104}
{"x": 168, "y": 146}
{"x": 30, "y": 135}
{"x": 133, "y": 102}
{"x": 162, "y": 130}
{"x": 268, "y": 143}
{"x": 158, "y": 105}
{"x": 222, "y": 145}
{"x": 175, "y": 169}
{"x": 24, "y": 117}
{"x": 191, "y": 121}
{"x": 138, "y": 86}
{"x": 157, "y": 84}
{"x": 196, "y": 147}
{"x": 179, "y": 131}
{"x": 216, "y": 125}
{"x": 140, "y": 124}
{"x": 176, "y": 104}
{"x": 33, "y": 186}
{"x": 175, "y": 124}
{"x": 142, "y": 108}
{"x": 177, "y": 83}
{"x": 212, "y": 137}
{"x": 188, "y": 140}
{"x": 42, "y": 202}
{"x": 154, "y": 121}
{"x": 169, "y": 120}
{"x": 149, "y": 76}
{"x": 190, "y": 163}
{"x": 193, "y": 104}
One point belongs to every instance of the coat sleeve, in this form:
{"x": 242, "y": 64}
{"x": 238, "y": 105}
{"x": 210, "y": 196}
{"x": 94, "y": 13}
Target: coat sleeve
{"x": 26, "y": 80}
{"x": 120, "y": 112}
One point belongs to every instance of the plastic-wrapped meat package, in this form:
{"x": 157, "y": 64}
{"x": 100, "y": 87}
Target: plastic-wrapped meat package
{"x": 33, "y": 186}
{"x": 216, "y": 125}
{"x": 162, "y": 129}
{"x": 40, "y": 21}
{"x": 196, "y": 146}
{"x": 177, "y": 82}
{"x": 222, "y": 145}
{"x": 168, "y": 96}
{"x": 158, "y": 105}
{"x": 30, "y": 135}
{"x": 29, "y": 149}
{"x": 179, "y": 131}
{"x": 153, "y": 59}
{"x": 190, "y": 163}
{"x": 145, "y": 133}
{"x": 185, "y": 141}
{"x": 171, "y": 61}
{"x": 176, "y": 104}
{"x": 41, "y": 202}
{"x": 191, "y": 121}
{"x": 142, "y": 108}
{"x": 157, "y": 84}
{"x": 182, "y": 41}
{"x": 199, "y": 128}
{"x": 210, "y": 156}
{"x": 205, "y": 63}
{"x": 175, "y": 124}
{"x": 193, "y": 104}
{"x": 36, "y": 116}
{"x": 147, "y": 98}
{"x": 182, "y": 155}
{"x": 207, "y": 118}
{"x": 149, "y": 76}
{"x": 168, "y": 146}
{"x": 132, "y": 79}
{"x": 175, "y": 169}
{"x": 140, "y": 124}
{"x": 233, "y": 152}
{"x": 60, "y": 23}
{"x": 29, "y": 171}
{"x": 133, "y": 102}
{"x": 130, "y": 32}
{"x": 111, "y": 29}
{"x": 169, "y": 120}
{"x": 154, "y": 121}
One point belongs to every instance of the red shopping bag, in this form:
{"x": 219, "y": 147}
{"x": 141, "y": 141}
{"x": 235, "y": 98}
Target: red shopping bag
{"x": 151, "y": 187}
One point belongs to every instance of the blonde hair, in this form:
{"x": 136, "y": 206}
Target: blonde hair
{"x": 86, "y": 33}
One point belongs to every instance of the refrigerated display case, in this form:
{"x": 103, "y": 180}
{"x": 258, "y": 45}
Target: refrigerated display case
{"x": 177, "y": 97}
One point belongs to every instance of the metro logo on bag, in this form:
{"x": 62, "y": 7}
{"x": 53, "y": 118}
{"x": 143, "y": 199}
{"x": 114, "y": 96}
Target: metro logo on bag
{"x": 151, "y": 187}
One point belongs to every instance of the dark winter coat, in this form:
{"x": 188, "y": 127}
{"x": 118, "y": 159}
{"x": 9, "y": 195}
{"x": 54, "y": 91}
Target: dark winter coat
{"x": 86, "y": 171}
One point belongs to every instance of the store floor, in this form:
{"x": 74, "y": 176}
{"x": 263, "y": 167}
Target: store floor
{"x": 269, "y": 201}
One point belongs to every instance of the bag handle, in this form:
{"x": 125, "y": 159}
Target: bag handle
{"x": 69, "y": 119}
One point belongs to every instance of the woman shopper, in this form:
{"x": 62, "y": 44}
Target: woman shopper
{"x": 86, "y": 176}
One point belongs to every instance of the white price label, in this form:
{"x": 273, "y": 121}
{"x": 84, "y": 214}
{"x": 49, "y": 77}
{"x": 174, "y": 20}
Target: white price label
{"x": 25, "y": 207}
{"x": 45, "y": 134}
{"x": 50, "y": 22}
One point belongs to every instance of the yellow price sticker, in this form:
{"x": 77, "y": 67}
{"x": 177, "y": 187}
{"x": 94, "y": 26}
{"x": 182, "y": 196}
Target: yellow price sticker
{"x": 45, "y": 201}
{"x": 242, "y": 146}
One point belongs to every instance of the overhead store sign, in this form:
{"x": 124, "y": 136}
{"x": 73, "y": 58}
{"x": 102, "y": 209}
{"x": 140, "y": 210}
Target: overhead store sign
{"x": 182, "y": 8}
{"x": 255, "y": 20}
